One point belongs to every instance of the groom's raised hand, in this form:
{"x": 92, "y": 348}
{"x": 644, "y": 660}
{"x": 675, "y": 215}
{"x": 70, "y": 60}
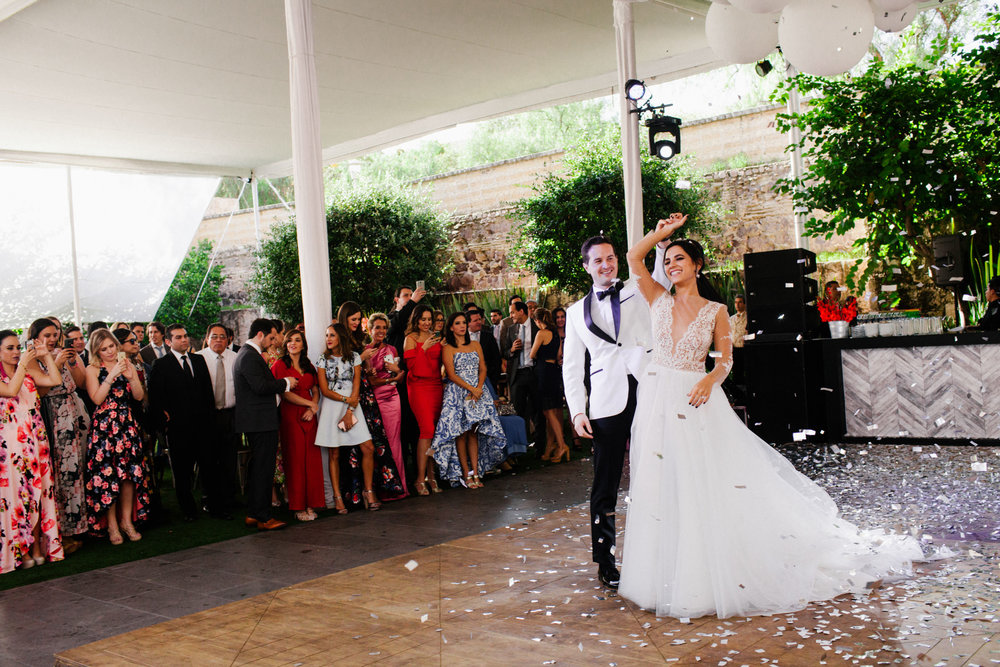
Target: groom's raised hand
{"x": 582, "y": 426}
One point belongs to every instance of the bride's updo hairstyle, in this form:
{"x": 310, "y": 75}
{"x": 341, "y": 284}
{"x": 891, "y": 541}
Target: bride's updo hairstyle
{"x": 694, "y": 250}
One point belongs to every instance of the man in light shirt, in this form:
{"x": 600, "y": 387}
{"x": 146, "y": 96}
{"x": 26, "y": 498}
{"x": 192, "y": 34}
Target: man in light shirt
{"x": 157, "y": 346}
{"x": 224, "y": 442}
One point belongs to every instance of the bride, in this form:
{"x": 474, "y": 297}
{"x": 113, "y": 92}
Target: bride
{"x": 719, "y": 522}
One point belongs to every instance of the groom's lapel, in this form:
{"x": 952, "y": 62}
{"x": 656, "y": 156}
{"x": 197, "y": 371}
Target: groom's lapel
{"x": 594, "y": 329}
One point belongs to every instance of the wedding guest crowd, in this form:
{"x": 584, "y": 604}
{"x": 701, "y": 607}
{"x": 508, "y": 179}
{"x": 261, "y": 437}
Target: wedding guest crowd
{"x": 385, "y": 403}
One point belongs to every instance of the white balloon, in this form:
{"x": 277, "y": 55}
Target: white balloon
{"x": 760, "y": 6}
{"x": 892, "y": 5}
{"x": 826, "y": 37}
{"x": 893, "y": 21}
{"x": 737, "y": 36}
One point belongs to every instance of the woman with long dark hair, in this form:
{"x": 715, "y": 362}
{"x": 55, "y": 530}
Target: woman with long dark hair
{"x": 29, "y": 530}
{"x": 68, "y": 425}
{"x": 298, "y": 411}
{"x": 388, "y": 483}
{"x": 545, "y": 350}
{"x": 719, "y": 522}
{"x": 422, "y": 351}
{"x": 468, "y": 438}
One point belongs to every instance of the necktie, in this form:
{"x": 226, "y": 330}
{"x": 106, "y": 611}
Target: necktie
{"x": 220, "y": 383}
{"x": 158, "y": 350}
{"x": 611, "y": 291}
{"x": 187, "y": 366}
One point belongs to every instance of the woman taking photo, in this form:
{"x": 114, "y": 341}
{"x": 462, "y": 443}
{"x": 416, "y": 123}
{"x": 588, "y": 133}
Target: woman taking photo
{"x": 469, "y": 440}
{"x": 341, "y": 418}
{"x": 68, "y": 427}
{"x": 29, "y": 532}
{"x": 299, "y": 409}
{"x": 388, "y": 481}
{"x": 546, "y": 351}
{"x": 384, "y": 372}
{"x": 117, "y": 485}
{"x": 422, "y": 351}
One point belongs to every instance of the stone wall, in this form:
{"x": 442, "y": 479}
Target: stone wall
{"x": 478, "y": 201}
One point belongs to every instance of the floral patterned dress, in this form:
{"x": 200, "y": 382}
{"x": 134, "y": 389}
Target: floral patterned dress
{"x": 114, "y": 455}
{"x": 69, "y": 426}
{"x": 460, "y": 414}
{"x": 27, "y": 493}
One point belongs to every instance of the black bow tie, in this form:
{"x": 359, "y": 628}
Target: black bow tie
{"x": 614, "y": 289}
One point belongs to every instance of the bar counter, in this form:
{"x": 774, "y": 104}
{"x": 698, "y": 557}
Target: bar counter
{"x": 913, "y": 388}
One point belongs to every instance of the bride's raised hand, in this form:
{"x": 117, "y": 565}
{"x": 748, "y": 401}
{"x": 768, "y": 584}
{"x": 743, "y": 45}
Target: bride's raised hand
{"x": 701, "y": 391}
{"x": 669, "y": 225}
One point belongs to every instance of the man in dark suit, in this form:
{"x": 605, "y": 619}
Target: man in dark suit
{"x": 257, "y": 417}
{"x": 404, "y": 301}
{"x": 521, "y": 382}
{"x": 491, "y": 351}
{"x": 181, "y": 402}
{"x": 157, "y": 348}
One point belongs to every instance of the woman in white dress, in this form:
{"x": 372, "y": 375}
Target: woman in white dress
{"x": 718, "y": 521}
{"x": 341, "y": 392}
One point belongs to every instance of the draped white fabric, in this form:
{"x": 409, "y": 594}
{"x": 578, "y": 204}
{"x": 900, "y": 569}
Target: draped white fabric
{"x": 307, "y": 159}
{"x": 625, "y": 49}
{"x": 132, "y": 231}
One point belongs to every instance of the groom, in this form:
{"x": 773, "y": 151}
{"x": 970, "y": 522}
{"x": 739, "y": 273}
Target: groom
{"x": 612, "y": 324}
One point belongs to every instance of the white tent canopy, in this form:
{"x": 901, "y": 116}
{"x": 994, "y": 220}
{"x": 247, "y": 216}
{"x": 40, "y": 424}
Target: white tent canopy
{"x": 132, "y": 231}
{"x": 189, "y": 86}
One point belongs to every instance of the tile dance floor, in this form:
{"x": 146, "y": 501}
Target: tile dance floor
{"x": 525, "y": 593}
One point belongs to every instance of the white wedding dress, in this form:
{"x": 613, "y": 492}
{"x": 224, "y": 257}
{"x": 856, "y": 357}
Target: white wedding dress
{"x": 718, "y": 521}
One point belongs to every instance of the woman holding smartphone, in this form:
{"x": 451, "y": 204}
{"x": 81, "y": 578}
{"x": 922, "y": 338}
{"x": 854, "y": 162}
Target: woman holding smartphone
{"x": 117, "y": 485}
{"x": 422, "y": 351}
{"x": 382, "y": 366}
{"x": 68, "y": 424}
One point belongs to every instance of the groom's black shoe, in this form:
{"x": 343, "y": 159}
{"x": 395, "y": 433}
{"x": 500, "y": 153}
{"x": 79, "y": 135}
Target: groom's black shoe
{"x": 608, "y": 575}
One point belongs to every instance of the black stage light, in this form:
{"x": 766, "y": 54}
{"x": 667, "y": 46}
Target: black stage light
{"x": 664, "y": 136}
{"x": 635, "y": 90}
{"x": 763, "y": 68}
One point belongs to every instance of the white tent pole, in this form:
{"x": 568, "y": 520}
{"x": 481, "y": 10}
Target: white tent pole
{"x": 77, "y": 319}
{"x": 631, "y": 167}
{"x": 307, "y": 160}
{"x": 799, "y": 215}
{"x": 256, "y": 208}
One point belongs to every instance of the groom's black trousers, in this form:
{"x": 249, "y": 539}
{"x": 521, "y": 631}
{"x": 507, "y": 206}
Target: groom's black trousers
{"x": 610, "y": 438}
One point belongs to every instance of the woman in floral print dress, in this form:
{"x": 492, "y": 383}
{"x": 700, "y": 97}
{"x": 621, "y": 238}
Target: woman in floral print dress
{"x": 117, "y": 483}
{"x": 29, "y": 531}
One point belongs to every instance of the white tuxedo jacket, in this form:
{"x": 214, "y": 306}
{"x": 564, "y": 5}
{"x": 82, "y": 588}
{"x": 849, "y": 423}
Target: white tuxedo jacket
{"x": 612, "y": 359}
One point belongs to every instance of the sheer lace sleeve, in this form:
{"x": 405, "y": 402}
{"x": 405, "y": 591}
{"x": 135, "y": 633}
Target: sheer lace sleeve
{"x": 723, "y": 344}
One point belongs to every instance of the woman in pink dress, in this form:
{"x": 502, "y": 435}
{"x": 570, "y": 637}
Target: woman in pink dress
{"x": 383, "y": 374}
{"x": 29, "y": 528}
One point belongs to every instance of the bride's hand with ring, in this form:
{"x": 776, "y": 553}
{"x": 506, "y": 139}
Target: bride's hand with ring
{"x": 701, "y": 392}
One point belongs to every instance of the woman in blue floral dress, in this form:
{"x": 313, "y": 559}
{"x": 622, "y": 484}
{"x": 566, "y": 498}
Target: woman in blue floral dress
{"x": 117, "y": 485}
{"x": 468, "y": 439}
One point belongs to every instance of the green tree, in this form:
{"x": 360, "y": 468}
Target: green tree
{"x": 911, "y": 151}
{"x": 176, "y": 304}
{"x": 379, "y": 237}
{"x": 588, "y": 199}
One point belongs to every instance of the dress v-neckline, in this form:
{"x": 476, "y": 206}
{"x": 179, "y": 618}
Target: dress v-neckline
{"x": 687, "y": 329}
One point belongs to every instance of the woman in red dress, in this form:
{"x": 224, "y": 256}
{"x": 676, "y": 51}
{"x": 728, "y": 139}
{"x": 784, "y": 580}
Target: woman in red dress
{"x": 299, "y": 407}
{"x": 422, "y": 351}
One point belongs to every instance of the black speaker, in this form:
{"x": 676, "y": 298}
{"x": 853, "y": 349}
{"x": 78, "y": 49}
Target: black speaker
{"x": 777, "y": 291}
{"x": 779, "y": 295}
{"x": 788, "y": 320}
{"x": 783, "y": 382}
{"x": 951, "y": 261}
{"x": 779, "y": 263}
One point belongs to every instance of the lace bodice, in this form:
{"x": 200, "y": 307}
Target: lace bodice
{"x": 688, "y": 353}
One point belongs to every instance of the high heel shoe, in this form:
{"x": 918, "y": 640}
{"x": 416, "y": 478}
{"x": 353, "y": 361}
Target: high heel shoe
{"x": 115, "y": 536}
{"x": 434, "y": 485}
{"x": 478, "y": 482}
{"x": 371, "y": 502}
{"x": 562, "y": 453}
{"x": 340, "y": 505}
{"x": 469, "y": 482}
{"x": 421, "y": 488}
{"x": 131, "y": 533}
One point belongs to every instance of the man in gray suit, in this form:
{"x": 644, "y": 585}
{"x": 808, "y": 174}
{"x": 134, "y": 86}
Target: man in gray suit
{"x": 257, "y": 417}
